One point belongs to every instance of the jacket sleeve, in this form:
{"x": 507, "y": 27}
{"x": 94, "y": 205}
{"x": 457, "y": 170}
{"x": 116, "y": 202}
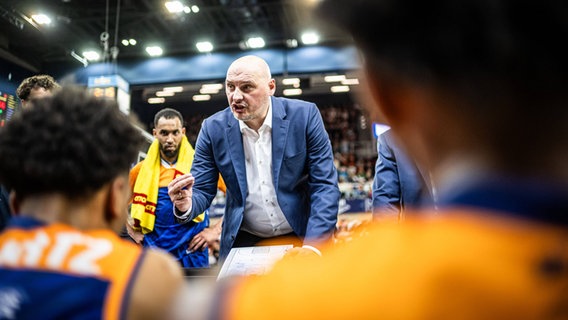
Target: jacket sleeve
{"x": 205, "y": 172}
{"x": 386, "y": 184}
{"x": 323, "y": 187}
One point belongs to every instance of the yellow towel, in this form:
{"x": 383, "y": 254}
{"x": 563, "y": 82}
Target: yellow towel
{"x": 145, "y": 194}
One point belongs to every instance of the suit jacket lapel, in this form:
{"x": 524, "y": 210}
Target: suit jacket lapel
{"x": 279, "y": 136}
{"x": 236, "y": 150}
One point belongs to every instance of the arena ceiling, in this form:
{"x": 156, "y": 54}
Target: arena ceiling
{"x": 79, "y": 25}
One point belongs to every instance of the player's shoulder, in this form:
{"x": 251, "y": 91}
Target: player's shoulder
{"x": 156, "y": 286}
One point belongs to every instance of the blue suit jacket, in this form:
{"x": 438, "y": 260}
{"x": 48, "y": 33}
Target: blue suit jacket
{"x": 398, "y": 183}
{"x": 305, "y": 177}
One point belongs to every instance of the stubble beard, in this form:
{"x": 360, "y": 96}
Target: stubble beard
{"x": 170, "y": 154}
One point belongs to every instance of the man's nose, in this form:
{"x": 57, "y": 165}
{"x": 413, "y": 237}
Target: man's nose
{"x": 237, "y": 95}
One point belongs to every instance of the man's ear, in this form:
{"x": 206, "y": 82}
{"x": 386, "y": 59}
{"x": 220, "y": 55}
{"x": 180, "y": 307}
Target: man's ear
{"x": 384, "y": 97}
{"x": 412, "y": 109}
{"x": 14, "y": 202}
{"x": 272, "y": 86}
{"x": 117, "y": 202}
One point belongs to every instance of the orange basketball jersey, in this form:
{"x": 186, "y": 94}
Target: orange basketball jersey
{"x": 58, "y": 272}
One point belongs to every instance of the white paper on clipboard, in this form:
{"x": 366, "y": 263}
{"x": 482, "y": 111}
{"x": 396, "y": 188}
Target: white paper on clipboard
{"x": 251, "y": 260}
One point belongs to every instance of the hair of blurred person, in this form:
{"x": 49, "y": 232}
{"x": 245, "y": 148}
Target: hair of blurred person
{"x": 36, "y": 87}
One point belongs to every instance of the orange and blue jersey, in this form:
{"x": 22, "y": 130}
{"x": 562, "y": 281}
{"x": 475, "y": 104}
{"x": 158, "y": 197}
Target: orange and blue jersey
{"x": 54, "y": 271}
{"x": 168, "y": 233}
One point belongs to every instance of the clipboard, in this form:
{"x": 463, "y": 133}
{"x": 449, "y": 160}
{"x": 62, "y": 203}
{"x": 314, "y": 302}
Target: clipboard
{"x": 251, "y": 260}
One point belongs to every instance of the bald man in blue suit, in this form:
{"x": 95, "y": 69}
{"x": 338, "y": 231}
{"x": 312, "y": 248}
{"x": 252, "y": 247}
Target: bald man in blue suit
{"x": 276, "y": 160}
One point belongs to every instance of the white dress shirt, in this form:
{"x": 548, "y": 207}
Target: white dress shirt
{"x": 263, "y": 216}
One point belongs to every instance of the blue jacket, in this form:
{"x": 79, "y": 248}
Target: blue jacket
{"x": 305, "y": 177}
{"x": 398, "y": 183}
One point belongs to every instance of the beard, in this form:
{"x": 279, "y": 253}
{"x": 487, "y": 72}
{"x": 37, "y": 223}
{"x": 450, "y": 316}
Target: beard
{"x": 244, "y": 118}
{"x": 169, "y": 153}
{"x": 258, "y": 113}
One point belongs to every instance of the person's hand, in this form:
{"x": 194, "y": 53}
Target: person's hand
{"x": 299, "y": 252}
{"x": 136, "y": 235}
{"x": 180, "y": 192}
{"x": 207, "y": 238}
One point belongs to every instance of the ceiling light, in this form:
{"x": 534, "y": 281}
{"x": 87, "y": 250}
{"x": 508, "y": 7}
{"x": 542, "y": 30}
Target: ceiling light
{"x": 291, "y": 43}
{"x": 336, "y": 89}
{"x": 204, "y": 46}
{"x": 174, "y": 6}
{"x": 173, "y": 89}
{"x": 165, "y": 93}
{"x": 290, "y": 81}
{"x": 310, "y": 38}
{"x": 255, "y": 42}
{"x": 335, "y": 78}
{"x": 125, "y": 42}
{"x": 186, "y": 9}
{"x": 91, "y": 55}
{"x": 156, "y": 100}
{"x": 201, "y": 97}
{"x": 292, "y": 92}
{"x": 208, "y": 91}
{"x": 350, "y": 82}
{"x": 154, "y": 51}
{"x": 41, "y": 19}
{"x": 195, "y": 8}
{"x": 213, "y": 86}
{"x": 132, "y": 42}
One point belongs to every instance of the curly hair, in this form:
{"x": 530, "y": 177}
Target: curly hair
{"x": 71, "y": 143}
{"x": 38, "y": 81}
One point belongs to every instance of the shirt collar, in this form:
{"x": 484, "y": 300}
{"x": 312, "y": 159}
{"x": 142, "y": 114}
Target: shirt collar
{"x": 167, "y": 164}
{"x": 267, "y": 121}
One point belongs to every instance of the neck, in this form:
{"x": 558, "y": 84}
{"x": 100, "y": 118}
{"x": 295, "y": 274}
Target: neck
{"x": 170, "y": 160}
{"x": 255, "y": 124}
{"x": 82, "y": 214}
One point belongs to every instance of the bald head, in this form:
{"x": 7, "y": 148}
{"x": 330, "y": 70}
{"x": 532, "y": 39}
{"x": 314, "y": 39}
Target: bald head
{"x": 253, "y": 65}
